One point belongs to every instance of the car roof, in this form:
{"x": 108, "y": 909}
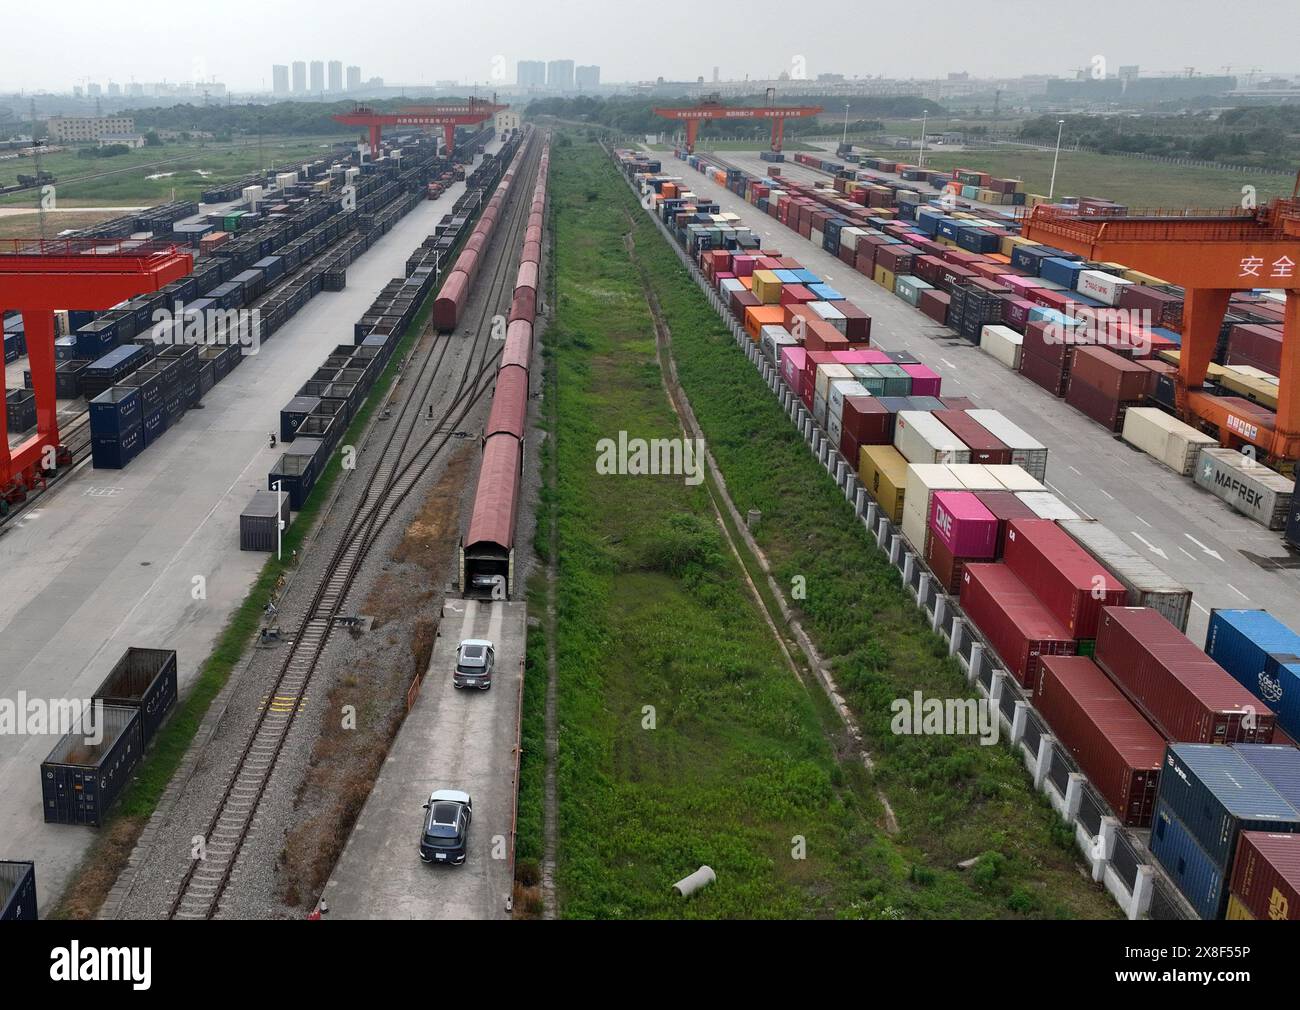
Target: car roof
{"x": 476, "y": 641}
{"x": 454, "y": 795}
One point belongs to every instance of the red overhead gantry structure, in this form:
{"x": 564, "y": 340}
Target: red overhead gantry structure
{"x": 448, "y": 116}
{"x": 1210, "y": 254}
{"x": 711, "y": 108}
{"x": 36, "y": 278}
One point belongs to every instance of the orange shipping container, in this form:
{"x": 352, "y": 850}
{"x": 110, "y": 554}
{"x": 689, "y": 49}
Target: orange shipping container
{"x": 758, "y": 316}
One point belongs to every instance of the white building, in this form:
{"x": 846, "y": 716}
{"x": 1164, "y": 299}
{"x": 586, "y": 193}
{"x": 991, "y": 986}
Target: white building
{"x": 83, "y": 129}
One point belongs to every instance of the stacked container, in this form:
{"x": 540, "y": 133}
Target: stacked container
{"x": 1014, "y": 621}
{"x": 1263, "y": 655}
{"x": 962, "y": 531}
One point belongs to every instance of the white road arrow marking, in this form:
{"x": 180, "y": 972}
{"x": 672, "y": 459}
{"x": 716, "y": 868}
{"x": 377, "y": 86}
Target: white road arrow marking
{"x": 948, "y": 363}
{"x": 1150, "y": 546}
{"x": 1214, "y": 554}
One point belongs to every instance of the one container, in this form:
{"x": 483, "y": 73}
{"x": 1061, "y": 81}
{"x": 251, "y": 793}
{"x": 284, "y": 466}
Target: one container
{"x": 1165, "y": 438}
{"x": 1250, "y": 487}
{"x": 1119, "y": 751}
{"x": 964, "y": 525}
{"x": 80, "y": 781}
{"x": 1046, "y": 505}
{"x": 144, "y": 679}
{"x": 1147, "y": 585}
{"x": 257, "y": 523}
{"x": 1071, "y": 583}
{"x": 922, "y": 438}
{"x": 1185, "y": 694}
{"x": 1266, "y": 875}
{"x": 1017, "y": 625}
{"x": 1263, "y": 655}
{"x": 1004, "y": 506}
{"x": 1026, "y": 451}
{"x": 115, "y": 412}
{"x": 17, "y": 891}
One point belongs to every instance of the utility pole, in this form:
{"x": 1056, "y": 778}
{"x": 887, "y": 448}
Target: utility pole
{"x": 920, "y": 158}
{"x": 1060, "y": 128}
{"x": 40, "y": 184}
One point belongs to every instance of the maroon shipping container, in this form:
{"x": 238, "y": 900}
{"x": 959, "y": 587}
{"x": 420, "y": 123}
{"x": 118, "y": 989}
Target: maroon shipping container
{"x": 1050, "y": 375}
{"x": 742, "y": 300}
{"x": 1187, "y": 696}
{"x": 1069, "y": 581}
{"x": 958, "y": 403}
{"x": 1114, "y": 745}
{"x": 935, "y": 304}
{"x": 1046, "y": 340}
{"x": 1255, "y": 345}
{"x": 1016, "y": 624}
{"x": 1110, "y": 373}
{"x": 857, "y": 324}
{"x": 1266, "y": 874}
{"x": 927, "y": 268}
{"x": 1107, "y": 412}
{"x": 947, "y": 568}
{"x": 1005, "y": 507}
{"x": 984, "y": 448}
{"x": 867, "y": 421}
{"x": 897, "y": 259}
{"x": 1164, "y": 307}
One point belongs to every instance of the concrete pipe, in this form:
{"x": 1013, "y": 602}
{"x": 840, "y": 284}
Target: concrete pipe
{"x": 697, "y": 881}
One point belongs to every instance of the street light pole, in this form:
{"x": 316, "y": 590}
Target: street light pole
{"x": 920, "y": 158}
{"x": 279, "y": 522}
{"x": 844, "y": 140}
{"x": 1060, "y": 128}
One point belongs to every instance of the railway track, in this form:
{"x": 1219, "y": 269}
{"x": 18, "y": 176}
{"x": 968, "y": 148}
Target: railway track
{"x": 403, "y": 461}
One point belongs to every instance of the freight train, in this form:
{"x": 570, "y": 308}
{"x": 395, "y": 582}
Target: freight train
{"x": 486, "y": 558}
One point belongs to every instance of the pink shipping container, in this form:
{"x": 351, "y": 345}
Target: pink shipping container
{"x": 793, "y": 360}
{"x": 1070, "y": 582}
{"x": 863, "y": 356}
{"x": 965, "y": 526}
{"x": 925, "y": 381}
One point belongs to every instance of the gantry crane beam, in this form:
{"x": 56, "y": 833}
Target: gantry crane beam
{"x": 448, "y": 115}
{"x": 705, "y": 111}
{"x": 1211, "y": 255}
{"x": 38, "y": 277}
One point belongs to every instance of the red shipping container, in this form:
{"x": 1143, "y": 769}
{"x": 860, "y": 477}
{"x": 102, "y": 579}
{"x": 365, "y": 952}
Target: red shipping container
{"x": 740, "y": 301}
{"x": 984, "y": 448}
{"x": 857, "y": 324}
{"x": 935, "y": 303}
{"x": 1266, "y": 874}
{"x": 1114, "y": 745}
{"x": 1016, "y": 624}
{"x": 1255, "y": 345}
{"x": 947, "y": 569}
{"x": 1043, "y": 372}
{"x": 927, "y": 268}
{"x": 1111, "y": 373}
{"x": 795, "y": 312}
{"x": 966, "y": 527}
{"x": 1094, "y": 403}
{"x": 1072, "y": 584}
{"x": 867, "y": 421}
{"x": 796, "y": 294}
{"x": 1005, "y": 507}
{"x": 958, "y": 403}
{"x": 1187, "y": 696}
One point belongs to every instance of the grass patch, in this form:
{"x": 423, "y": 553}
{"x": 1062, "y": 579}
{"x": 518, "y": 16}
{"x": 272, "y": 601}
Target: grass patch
{"x": 744, "y": 760}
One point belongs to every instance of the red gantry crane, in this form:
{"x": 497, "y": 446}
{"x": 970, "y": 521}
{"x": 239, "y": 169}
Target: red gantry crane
{"x": 712, "y": 108}
{"x": 1210, "y": 254}
{"x": 37, "y": 277}
{"x": 448, "y": 115}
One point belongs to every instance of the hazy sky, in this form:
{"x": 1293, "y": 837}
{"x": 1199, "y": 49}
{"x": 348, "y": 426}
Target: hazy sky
{"x": 56, "y": 45}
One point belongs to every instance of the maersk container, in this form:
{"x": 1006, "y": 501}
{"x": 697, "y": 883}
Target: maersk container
{"x": 922, "y": 438}
{"x": 1250, "y": 487}
{"x": 17, "y": 891}
{"x": 1164, "y": 438}
{"x": 1119, "y": 751}
{"x": 1189, "y": 866}
{"x": 144, "y": 679}
{"x": 1185, "y": 693}
{"x": 1217, "y": 794}
{"x": 1026, "y": 451}
{"x": 1072, "y": 584}
{"x": 1263, "y": 655}
{"x": 80, "y": 780}
{"x": 1147, "y": 585}
{"x": 1266, "y": 875}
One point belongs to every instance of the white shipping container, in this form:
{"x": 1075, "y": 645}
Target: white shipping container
{"x": 1100, "y": 285}
{"x": 834, "y": 432}
{"x": 923, "y": 480}
{"x": 773, "y": 338}
{"x": 1046, "y": 505}
{"x": 1026, "y": 451}
{"x": 975, "y": 477}
{"x": 1165, "y": 438}
{"x": 849, "y": 236}
{"x": 1013, "y": 477}
{"x": 1003, "y": 344}
{"x": 922, "y": 438}
{"x": 1147, "y": 585}
{"x": 839, "y": 389}
{"x": 830, "y": 313}
{"x": 730, "y": 286}
{"x": 1249, "y": 487}
{"x": 819, "y": 409}
{"x": 827, "y": 372}
{"x": 286, "y": 179}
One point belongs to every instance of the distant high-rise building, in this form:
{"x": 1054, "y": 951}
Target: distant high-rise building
{"x": 280, "y": 79}
{"x": 1129, "y": 73}
{"x": 93, "y": 90}
{"x": 299, "y": 77}
{"x": 559, "y": 75}
{"x": 587, "y": 78}
{"x": 336, "y": 75}
{"x": 114, "y": 90}
{"x": 317, "y": 77}
{"x": 530, "y": 74}
{"x": 716, "y": 70}
{"x": 135, "y": 90}
{"x": 354, "y": 78}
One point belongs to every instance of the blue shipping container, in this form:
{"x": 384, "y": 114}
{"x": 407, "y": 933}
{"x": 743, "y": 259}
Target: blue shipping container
{"x": 115, "y": 411}
{"x": 825, "y": 293}
{"x": 1191, "y": 869}
{"x": 1063, "y": 271}
{"x": 116, "y": 453}
{"x": 1263, "y": 655}
{"x": 1216, "y": 793}
{"x": 1278, "y": 763}
{"x": 117, "y": 362}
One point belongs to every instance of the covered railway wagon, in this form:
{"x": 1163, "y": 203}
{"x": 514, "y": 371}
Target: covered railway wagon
{"x": 487, "y": 552}
{"x": 455, "y": 291}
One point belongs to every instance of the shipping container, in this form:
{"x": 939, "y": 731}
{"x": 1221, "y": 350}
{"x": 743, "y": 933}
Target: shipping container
{"x": 1266, "y": 875}
{"x": 1018, "y": 627}
{"x": 1188, "y": 865}
{"x": 922, "y": 438}
{"x": 1263, "y": 655}
{"x": 1185, "y": 694}
{"x": 1112, "y": 742}
{"x": 1004, "y": 506}
{"x": 1146, "y": 584}
{"x": 1026, "y": 451}
{"x": 17, "y": 891}
{"x": 1165, "y": 438}
{"x": 116, "y": 412}
{"x": 1068, "y": 581}
{"x": 258, "y": 522}
{"x": 1003, "y": 344}
{"x": 81, "y": 780}
{"x": 964, "y": 525}
{"x": 984, "y": 447}
{"x": 1250, "y": 487}
{"x": 883, "y": 472}
{"x": 144, "y": 679}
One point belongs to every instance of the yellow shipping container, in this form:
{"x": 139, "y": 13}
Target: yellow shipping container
{"x": 885, "y": 278}
{"x": 1138, "y": 277}
{"x": 1236, "y": 910}
{"x": 767, "y": 289}
{"x": 945, "y": 241}
{"x": 883, "y": 472}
